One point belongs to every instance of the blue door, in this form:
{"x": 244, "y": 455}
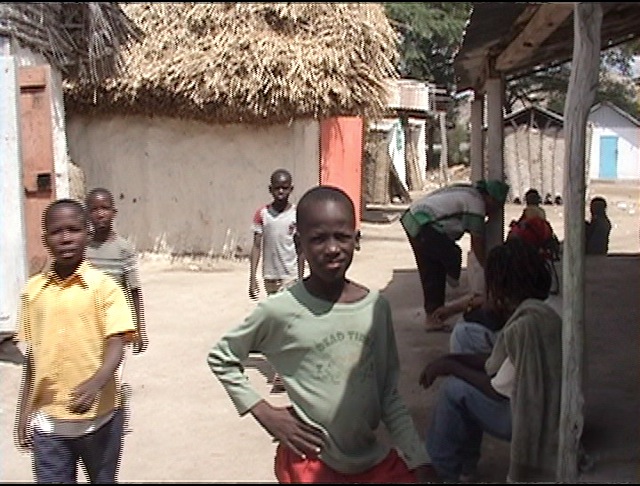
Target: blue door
{"x": 608, "y": 157}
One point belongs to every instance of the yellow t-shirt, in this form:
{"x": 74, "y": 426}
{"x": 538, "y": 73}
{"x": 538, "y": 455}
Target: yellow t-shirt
{"x": 65, "y": 325}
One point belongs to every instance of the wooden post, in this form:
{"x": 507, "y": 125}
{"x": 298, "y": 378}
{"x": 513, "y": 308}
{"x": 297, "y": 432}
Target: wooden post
{"x": 13, "y": 248}
{"x": 414, "y": 179}
{"x": 580, "y": 97}
{"x": 477, "y": 137}
{"x": 495, "y": 153}
{"x": 431, "y": 130}
{"x": 444, "y": 150}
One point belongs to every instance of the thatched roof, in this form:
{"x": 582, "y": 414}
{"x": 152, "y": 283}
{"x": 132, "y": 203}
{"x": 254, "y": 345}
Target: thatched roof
{"x": 83, "y": 40}
{"x": 250, "y": 62}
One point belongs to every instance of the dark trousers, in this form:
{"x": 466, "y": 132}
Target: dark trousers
{"x": 436, "y": 256}
{"x": 55, "y": 459}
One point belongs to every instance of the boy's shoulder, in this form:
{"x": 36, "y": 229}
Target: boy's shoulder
{"x": 124, "y": 243}
{"x": 35, "y": 283}
{"x": 90, "y": 274}
{"x": 258, "y": 214}
{"x": 118, "y": 243}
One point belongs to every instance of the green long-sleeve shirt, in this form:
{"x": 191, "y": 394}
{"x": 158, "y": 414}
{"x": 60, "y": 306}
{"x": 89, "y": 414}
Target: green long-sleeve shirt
{"x": 339, "y": 364}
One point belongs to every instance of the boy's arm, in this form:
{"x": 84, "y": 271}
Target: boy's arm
{"x": 285, "y": 427}
{"x": 478, "y": 246}
{"x": 395, "y": 414}
{"x": 256, "y": 249}
{"x": 467, "y": 367}
{"x": 119, "y": 327}
{"x": 227, "y": 356}
{"x": 23, "y": 410}
{"x": 475, "y": 225}
{"x": 462, "y": 304}
{"x": 133, "y": 283}
{"x": 142, "y": 341}
{"x": 83, "y": 396}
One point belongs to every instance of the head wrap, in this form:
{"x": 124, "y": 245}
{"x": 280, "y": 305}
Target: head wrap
{"x": 498, "y": 190}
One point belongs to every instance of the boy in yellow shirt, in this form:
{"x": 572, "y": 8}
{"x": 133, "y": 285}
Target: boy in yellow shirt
{"x": 75, "y": 321}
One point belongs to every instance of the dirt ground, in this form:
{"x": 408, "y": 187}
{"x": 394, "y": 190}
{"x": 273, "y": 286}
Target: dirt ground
{"x": 185, "y": 429}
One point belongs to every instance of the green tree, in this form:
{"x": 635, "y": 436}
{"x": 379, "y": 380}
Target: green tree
{"x": 430, "y": 34}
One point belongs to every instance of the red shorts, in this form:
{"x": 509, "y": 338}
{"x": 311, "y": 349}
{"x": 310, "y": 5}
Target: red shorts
{"x": 291, "y": 468}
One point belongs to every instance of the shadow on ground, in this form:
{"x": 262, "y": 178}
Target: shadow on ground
{"x": 612, "y": 358}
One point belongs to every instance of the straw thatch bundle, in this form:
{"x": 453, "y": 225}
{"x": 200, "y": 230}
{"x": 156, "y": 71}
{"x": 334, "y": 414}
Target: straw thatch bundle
{"x": 82, "y": 40}
{"x": 250, "y": 62}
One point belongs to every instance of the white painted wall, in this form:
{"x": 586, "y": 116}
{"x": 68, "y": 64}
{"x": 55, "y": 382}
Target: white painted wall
{"x": 186, "y": 187}
{"x": 13, "y": 259}
{"x": 608, "y": 122}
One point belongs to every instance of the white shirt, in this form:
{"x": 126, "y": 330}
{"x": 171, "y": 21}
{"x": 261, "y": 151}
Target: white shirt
{"x": 279, "y": 257}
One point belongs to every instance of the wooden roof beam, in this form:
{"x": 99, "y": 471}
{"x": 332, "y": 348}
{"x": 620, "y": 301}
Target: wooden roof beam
{"x": 544, "y": 22}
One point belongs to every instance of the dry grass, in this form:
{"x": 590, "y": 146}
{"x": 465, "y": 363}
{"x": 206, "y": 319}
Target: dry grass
{"x": 250, "y": 62}
{"x": 84, "y": 40}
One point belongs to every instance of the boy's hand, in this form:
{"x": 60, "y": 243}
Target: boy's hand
{"x": 284, "y": 425}
{"x": 438, "y": 367}
{"x": 442, "y": 313}
{"x": 83, "y": 396}
{"x": 140, "y": 342}
{"x": 23, "y": 438}
{"x": 254, "y": 291}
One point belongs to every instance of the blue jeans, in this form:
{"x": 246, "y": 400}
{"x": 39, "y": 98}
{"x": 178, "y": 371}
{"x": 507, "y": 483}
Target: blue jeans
{"x": 471, "y": 337}
{"x": 55, "y": 459}
{"x": 461, "y": 416}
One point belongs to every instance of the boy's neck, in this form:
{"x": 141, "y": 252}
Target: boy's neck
{"x": 330, "y": 293}
{"x": 65, "y": 271}
{"x": 280, "y": 205}
{"x": 103, "y": 235}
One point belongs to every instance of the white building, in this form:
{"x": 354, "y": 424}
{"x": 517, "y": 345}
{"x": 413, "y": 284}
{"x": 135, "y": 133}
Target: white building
{"x": 615, "y": 144}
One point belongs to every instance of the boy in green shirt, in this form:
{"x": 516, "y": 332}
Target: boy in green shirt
{"x": 332, "y": 342}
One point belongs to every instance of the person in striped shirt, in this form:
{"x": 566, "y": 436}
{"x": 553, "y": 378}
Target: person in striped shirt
{"x": 114, "y": 255}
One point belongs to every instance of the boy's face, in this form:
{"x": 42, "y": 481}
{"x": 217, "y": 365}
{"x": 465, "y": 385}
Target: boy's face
{"x": 280, "y": 188}
{"x": 101, "y": 211}
{"x": 597, "y": 207}
{"x": 327, "y": 238}
{"x": 66, "y": 235}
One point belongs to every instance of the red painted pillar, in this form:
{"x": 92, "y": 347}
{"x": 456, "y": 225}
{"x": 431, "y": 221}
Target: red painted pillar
{"x": 341, "y": 155}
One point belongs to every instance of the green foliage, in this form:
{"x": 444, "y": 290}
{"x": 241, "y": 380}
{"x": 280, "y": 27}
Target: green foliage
{"x": 430, "y": 33}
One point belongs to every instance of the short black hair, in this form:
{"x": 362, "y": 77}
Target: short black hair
{"x": 516, "y": 271}
{"x": 598, "y": 205}
{"x": 60, "y": 203}
{"x": 280, "y": 173}
{"x": 322, "y": 194}
{"x": 532, "y": 196}
{"x": 99, "y": 191}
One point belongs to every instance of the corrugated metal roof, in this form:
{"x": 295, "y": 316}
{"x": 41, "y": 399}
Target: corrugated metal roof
{"x": 536, "y": 114}
{"x": 493, "y": 25}
{"x": 488, "y": 26}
